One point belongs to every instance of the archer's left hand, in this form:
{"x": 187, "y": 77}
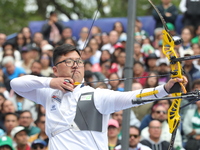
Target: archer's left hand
{"x": 171, "y": 82}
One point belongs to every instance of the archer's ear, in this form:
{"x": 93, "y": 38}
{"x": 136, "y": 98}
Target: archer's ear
{"x": 55, "y": 71}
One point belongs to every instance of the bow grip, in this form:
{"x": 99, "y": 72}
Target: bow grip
{"x": 176, "y": 88}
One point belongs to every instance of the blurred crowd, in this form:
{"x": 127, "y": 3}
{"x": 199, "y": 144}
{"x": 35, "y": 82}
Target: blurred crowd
{"x": 22, "y": 122}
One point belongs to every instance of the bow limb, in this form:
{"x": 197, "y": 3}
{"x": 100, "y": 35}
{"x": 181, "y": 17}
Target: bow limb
{"x": 176, "y": 72}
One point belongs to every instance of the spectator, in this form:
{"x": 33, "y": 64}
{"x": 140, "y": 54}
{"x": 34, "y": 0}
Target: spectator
{"x": 105, "y": 67}
{"x": 168, "y": 11}
{"x": 105, "y": 39}
{"x": 113, "y": 131}
{"x": 118, "y": 26}
{"x": 113, "y": 39}
{"x": 96, "y": 53}
{"x": 164, "y": 70}
{"x": 154, "y": 140}
{"x": 138, "y": 71}
{"x": 160, "y": 113}
{"x": 96, "y": 33}
{"x": 83, "y": 40}
{"x": 36, "y": 68}
{"x": 10, "y": 69}
{"x": 187, "y": 34}
{"x": 10, "y": 121}
{"x": 86, "y": 54}
{"x": 105, "y": 55}
{"x": 20, "y": 137}
{"x": 26, "y": 120}
{"x": 20, "y": 41}
{"x": 40, "y": 122}
{"x": 97, "y": 76}
{"x": 152, "y": 81}
{"x": 189, "y": 67}
{"x": 35, "y": 51}
{"x": 52, "y": 30}
{"x": 41, "y": 110}
{"x": 6, "y": 143}
{"x": 4, "y": 83}
{"x": 37, "y": 39}
{"x": 197, "y": 34}
{"x": 26, "y": 31}
{"x": 70, "y": 41}
{"x": 134, "y": 140}
{"x": 45, "y": 61}
{"x": 191, "y": 12}
{"x": 95, "y": 30}
{"x": 7, "y": 106}
{"x": 21, "y": 104}
{"x": 48, "y": 48}
{"x": 2, "y": 41}
{"x": 26, "y": 59}
{"x": 119, "y": 116}
{"x": 191, "y": 125}
{"x": 118, "y": 48}
{"x": 121, "y": 58}
{"x": 88, "y": 77}
{"x": 39, "y": 145}
{"x": 67, "y": 33}
{"x": 9, "y": 50}
{"x": 114, "y": 84}
{"x": 138, "y": 55}
{"x": 151, "y": 62}
{"x": 2, "y": 99}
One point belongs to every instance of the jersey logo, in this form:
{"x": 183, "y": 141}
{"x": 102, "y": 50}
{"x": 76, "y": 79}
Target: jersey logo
{"x": 53, "y": 108}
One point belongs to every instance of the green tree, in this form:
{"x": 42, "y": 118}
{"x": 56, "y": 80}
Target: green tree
{"x": 14, "y": 16}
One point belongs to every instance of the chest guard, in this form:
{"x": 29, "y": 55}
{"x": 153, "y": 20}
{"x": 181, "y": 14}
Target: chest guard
{"x": 87, "y": 116}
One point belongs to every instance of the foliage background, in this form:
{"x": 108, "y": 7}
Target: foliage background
{"x": 15, "y": 14}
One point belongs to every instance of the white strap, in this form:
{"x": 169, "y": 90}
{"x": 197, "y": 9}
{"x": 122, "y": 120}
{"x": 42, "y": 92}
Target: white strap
{"x": 62, "y": 129}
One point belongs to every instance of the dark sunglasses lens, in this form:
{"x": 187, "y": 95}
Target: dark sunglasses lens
{"x": 36, "y": 146}
{"x": 135, "y": 136}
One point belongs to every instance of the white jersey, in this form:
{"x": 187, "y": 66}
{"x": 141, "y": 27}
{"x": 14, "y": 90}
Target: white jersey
{"x": 61, "y": 119}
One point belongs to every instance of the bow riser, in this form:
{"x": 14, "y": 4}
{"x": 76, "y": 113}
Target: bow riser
{"x": 173, "y": 113}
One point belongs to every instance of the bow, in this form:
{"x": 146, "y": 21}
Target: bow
{"x": 176, "y": 72}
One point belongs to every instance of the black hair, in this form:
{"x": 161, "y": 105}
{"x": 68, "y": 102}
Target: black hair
{"x": 52, "y": 13}
{"x": 10, "y": 113}
{"x": 87, "y": 62}
{"x": 1, "y": 94}
{"x": 62, "y": 50}
{"x": 138, "y": 62}
{"x": 39, "y": 117}
{"x": 135, "y": 127}
{"x": 24, "y": 111}
{"x": 67, "y": 27}
{"x": 9, "y": 43}
{"x": 195, "y": 82}
{"x": 73, "y": 41}
{"x": 36, "y": 61}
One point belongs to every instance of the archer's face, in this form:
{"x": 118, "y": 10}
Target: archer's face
{"x": 62, "y": 70}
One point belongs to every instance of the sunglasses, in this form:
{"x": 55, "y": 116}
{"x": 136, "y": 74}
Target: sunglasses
{"x": 36, "y": 146}
{"x": 135, "y": 136}
{"x": 159, "y": 112}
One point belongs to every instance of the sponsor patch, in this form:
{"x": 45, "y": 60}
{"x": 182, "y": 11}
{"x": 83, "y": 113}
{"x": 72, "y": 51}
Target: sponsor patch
{"x": 86, "y": 97}
{"x": 56, "y": 98}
